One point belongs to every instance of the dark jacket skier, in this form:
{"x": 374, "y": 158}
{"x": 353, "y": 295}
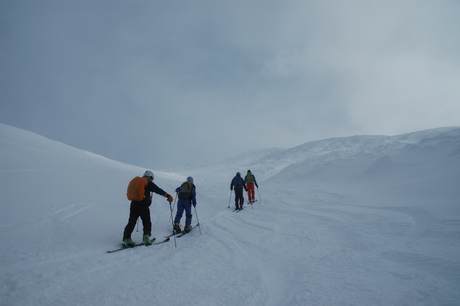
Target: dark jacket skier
{"x": 238, "y": 184}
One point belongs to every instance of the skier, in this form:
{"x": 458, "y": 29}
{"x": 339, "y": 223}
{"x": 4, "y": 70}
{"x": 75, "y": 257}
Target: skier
{"x": 238, "y": 184}
{"x": 250, "y": 181}
{"x": 138, "y": 193}
{"x": 186, "y": 194}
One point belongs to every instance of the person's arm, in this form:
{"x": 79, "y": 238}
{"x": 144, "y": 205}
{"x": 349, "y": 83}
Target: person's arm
{"x": 194, "y": 196}
{"x": 151, "y": 186}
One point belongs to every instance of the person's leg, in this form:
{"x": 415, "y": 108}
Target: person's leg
{"x": 146, "y": 221}
{"x": 133, "y": 215}
{"x": 251, "y": 194}
{"x": 180, "y": 212}
{"x": 188, "y": 214}
{"x": 239, "y": 198}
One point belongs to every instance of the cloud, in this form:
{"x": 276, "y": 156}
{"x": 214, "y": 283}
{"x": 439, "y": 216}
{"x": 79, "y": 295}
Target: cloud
{"x": 157, "y": 83}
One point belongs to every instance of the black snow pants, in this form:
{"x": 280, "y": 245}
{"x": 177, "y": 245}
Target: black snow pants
{"x": 239, "y": 196}
{"x": 138, "y": 209}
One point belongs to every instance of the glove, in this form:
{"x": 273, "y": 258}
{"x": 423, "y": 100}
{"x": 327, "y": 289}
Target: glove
{"x": 231, "y": 188}
{"x": 194, "y": 204}
{"x": 257, "y": 186}
{"x": 169, "y": 197}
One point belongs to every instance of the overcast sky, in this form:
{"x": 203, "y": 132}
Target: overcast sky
{"x": 160, "y": 84}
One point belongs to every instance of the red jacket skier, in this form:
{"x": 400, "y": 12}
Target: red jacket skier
{"x": 250, "y": 181}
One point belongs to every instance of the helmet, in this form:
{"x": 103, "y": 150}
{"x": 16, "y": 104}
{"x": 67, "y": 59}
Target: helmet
{"x": 190, "y": 179}
{"x": 148, "y": 174}
{"x": 249, "y": 171}
{"x": 238, "y": 174}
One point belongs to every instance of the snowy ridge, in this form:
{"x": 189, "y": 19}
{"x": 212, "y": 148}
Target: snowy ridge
{"x": 270, "y": 162}
{"x": 363, "y": 220}
{"x": 344, "y": 157}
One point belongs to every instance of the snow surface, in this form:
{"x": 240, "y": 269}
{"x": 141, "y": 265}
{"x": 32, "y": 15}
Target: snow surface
{"x": 364, "y": 220}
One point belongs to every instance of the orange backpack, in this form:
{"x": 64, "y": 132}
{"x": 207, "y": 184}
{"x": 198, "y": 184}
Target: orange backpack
{"x": 136, "y": 189}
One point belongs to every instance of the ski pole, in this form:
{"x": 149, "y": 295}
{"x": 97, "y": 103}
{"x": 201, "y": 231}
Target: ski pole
{"x": 170, "y": 208}
{"x": 259, "y": 194}
{"x": 137, "y": 225}
{"x": 199, "y": 226}
{"x": 230, "y": 199}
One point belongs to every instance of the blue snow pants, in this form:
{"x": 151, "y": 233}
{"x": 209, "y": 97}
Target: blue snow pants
{"x": 184, "y": 204}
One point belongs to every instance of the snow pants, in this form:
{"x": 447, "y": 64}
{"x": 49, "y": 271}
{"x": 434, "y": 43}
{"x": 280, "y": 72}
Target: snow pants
{"x": 239, "y": 199}
{"x": 136, "y": 210}
{"x": 251, "y": 193}
{"x": 184, "y": 204}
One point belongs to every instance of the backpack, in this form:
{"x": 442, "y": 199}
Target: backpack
{"x": 238, "y": 181}
{"x": 249, "y": 178}
{"x": 185, "y": 191}
{"x": 136, "y": 189}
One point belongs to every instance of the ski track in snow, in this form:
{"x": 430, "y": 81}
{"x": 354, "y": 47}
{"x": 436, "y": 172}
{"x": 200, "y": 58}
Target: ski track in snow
{"x": 254, "y": 255}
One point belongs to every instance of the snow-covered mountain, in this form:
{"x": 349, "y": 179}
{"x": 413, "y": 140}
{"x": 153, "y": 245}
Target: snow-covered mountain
{"x": 363, "y": 220}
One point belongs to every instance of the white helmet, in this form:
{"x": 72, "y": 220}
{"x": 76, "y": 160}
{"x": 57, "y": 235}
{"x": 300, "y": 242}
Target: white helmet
{"x": 148, "y": 174}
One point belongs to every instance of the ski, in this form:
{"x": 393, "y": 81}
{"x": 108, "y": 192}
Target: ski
{"x": 139, "y": 244}
{"x": 184, "y": 233}
{"x": 159, "y": 242}
{"x": 174, "y": 233}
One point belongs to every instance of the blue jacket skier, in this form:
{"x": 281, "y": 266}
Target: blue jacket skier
{"x": 186, "y": 194}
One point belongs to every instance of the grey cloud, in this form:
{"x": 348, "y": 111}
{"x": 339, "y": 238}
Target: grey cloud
{"x": 129, "y": 79}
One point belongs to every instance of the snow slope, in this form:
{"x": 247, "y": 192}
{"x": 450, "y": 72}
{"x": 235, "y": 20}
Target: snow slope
{"x": 364, "y": 220}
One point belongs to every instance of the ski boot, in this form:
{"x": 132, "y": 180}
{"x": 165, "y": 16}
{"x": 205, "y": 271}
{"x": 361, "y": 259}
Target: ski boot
{"x": 146, "y": 240}
{"x": 177, "y": 229}
{"x": 187, "y": 228}
{"x": 128, "y": 243}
